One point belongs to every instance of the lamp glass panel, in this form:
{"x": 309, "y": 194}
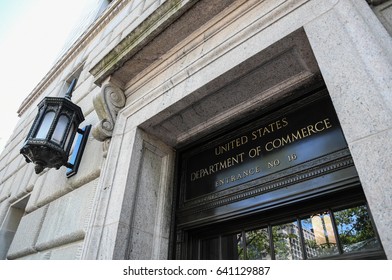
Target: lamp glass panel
{"x": 60, "y": 129}
{"x": 70, "y": 133}
{"x": 45, "y": 125}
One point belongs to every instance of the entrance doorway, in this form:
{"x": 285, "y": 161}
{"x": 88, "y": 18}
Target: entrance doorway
{"x": 281, "y": 186}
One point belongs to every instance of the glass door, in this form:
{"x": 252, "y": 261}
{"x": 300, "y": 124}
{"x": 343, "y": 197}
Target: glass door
{"x": 331, "y": 233}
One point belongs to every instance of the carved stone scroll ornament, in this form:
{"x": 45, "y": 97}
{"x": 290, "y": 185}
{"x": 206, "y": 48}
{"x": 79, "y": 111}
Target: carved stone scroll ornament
{"x": 107, "y": 103}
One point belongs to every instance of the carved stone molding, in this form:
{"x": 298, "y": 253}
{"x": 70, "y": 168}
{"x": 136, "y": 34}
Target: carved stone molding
{"x": 325, "y": 165}
{"x": 107, "y": 103}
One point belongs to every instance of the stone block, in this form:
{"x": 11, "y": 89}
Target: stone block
{"x": 121, "y": 244}
{"x": 37, "y": 256}
{"x": 128, "y": 157}
{"x": 108, "y": 238}
{"x": 67, "y": 218}
{"x": 148, "y": 190}
{"x": 372, "y": 157}
{"x": 27, "y": 234}
{"x": 3, "y": 162}
{"x": 68, "y": 252}
{"x": 150, "y": 4}
{"x": 55, "y": 185}
{"x": 132, "y": 15}
{"x": 84, "y": 101}
{"x": 99, "y": 51}
{"x": 14, "y": 165}
{"x": 360, "y": 98}
{"x": 4, "y": 206}
{"x": 374, "y": 171}
{"x": 38, "y": 184}
{"x": 141, "y": 242}
{"x": 2, "y": 171}
{"x": 23, "y": 179}
{"x": 6, "y": 187}
{"x": 150, "y": 222}
{"x": 5, "y": 239}
{"x": 82, "y": 93}
{"x": 118, "y": 19}
{"x": 90, "y": 165}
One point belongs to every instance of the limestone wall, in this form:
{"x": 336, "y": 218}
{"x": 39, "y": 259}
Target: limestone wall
{"x": 58, "y": 208}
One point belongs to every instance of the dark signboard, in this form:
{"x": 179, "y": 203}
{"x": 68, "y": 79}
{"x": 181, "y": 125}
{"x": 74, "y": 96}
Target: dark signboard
{"x": 293, "y": 135}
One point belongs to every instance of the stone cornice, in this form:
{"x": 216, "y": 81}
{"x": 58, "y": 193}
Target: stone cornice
{"x": 143, "y": 34}
{"x": 115, "y": 7}
{"x": 111, "y": 62}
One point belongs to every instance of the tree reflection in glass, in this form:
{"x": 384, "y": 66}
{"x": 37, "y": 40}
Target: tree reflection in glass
{"x": 287, "y": 242}
{"x": 321, "y": 232}
{"x": 355, "y": 229}
{"x": 319, "y": 237}
{"x": 258, "y": 245}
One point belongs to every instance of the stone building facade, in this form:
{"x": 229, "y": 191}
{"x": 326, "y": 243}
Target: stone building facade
{"x": 160, "y": 80}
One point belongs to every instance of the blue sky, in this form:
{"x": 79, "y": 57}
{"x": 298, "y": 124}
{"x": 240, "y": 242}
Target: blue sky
{"x": 32, "y": 34}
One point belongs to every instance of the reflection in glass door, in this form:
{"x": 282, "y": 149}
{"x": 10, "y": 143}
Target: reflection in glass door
{"x": 331, "y": 233}
{"x": 319, "y": 236}
{"x": 257, "y": 244}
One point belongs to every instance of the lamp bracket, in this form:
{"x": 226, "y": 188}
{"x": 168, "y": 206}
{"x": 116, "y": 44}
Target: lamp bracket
{"x": 76, "y": 157}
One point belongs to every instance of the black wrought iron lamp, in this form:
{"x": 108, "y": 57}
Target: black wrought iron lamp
{"x": 52, "y": 134}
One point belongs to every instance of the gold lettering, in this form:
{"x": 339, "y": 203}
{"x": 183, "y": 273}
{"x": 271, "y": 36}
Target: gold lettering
{"x": 254, "y": 152}
{"x": 204, "y": 172}
{"x": 327, "y": 123}
{"x": 318, "y": 128}
{"x": 231, "y": 145}
{"x": 269, "y": 144}
{"x": 193, "y": 176}
{"x": 286, "y": 140}
{"x": 269, "y": 128}
{"x": 304, "y": 132}
{"x": 297, "y": 135}
{"x": 238, "y": 176}
{"x": 276, "y": 143}
{"x": 237, "y": 159}
{"x": 285, "y": 122}
{"x": 311, "y": 129}
{"x": 278, "y": 125}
